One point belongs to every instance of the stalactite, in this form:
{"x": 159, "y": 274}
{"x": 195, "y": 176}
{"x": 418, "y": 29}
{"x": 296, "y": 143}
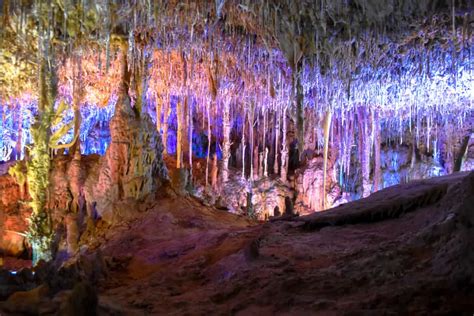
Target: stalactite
{"x": 260, "y": 164}
{"x": 208, "y": 141}
{"x": 284, "y": 149}
{"x": 78, "y": 93}
{"x": 377, "y": 169}
{"x": 327, "y": 126}
{"x": 158, "y": 108}
{"x": 167, "y": 113}
{"x": 265, "y": 163}
{"x": 214, "y": 173}
{"x": 264, "y": 134}
{"x": 190, "y": 119}
{"x": 179, "y": 134}
{"x": 364, "y": 141}
{"x": 251, "y": 141}
{"x": 255, "y": 163}
{"x": 299, "y": 111}
{"x": 277, "y": 136}
{"x": 139, "y": 83}
{"x": 19, "y": 145}
{"x": 413, "y": 150}
{"x": 180, "y": 111}
{"x": 243, "y": 146}
{"x": 190, "y": 137}
{"x": 348, "y": 145}
{"x": 226, "y": 143}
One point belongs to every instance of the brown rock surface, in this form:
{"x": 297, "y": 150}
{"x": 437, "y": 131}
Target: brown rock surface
{"x": 13, "y": 216}
{"x": 404, "y": 250}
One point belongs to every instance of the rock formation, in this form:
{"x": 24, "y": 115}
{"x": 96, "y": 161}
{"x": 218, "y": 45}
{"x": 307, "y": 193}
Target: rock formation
{"x": 132, "y": 167}
{"x": 309, "y": 187}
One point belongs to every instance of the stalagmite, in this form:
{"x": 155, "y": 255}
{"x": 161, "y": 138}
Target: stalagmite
{"x": 72, "y": 233}
{"x": 327, "y": 126}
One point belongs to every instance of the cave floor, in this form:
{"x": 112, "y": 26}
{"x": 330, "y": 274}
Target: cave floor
{"x": 413, "y": 255}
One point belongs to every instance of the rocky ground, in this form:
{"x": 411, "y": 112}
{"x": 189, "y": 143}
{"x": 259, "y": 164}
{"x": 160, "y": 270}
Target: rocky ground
{"x": 404, "y": 250}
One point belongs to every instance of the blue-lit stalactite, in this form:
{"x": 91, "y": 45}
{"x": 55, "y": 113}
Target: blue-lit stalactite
{"x": 94, "y": 132}
{"x": 13, "y": 119}
{"x": 200, "y": 137}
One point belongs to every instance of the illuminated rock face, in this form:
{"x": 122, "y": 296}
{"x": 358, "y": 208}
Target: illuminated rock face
{"x": 309, "y": 185}
{"x": 12, "y": 217}
{"x": 132, "y": 166}
{"x": 259, "y": 199}
{"x": 268, "y": 198}
{"x": 397, "y": 168}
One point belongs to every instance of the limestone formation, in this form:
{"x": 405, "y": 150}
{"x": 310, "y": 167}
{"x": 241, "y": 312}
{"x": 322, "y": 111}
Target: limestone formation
{"x": 267, "y": 196}
{"x": 133, "y": 165}
{"x": 309, "y": 185}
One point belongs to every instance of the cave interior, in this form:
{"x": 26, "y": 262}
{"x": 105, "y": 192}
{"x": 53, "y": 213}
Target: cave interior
{"x": 232, "y": 117}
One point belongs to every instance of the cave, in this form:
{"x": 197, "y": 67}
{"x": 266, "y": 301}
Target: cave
{"x": 190, "y": 157}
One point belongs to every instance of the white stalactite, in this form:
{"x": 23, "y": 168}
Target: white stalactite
{"x": 226, "y": 143}
{"x": 265, "y": 163}
{"x": 327, "y": 126}
{"x": 284, "y": 150}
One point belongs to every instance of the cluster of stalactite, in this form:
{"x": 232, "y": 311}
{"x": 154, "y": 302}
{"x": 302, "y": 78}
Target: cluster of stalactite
{"x": 261, "y": 120}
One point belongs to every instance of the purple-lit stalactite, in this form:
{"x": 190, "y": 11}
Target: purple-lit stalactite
{"x": 429, "y": 109}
